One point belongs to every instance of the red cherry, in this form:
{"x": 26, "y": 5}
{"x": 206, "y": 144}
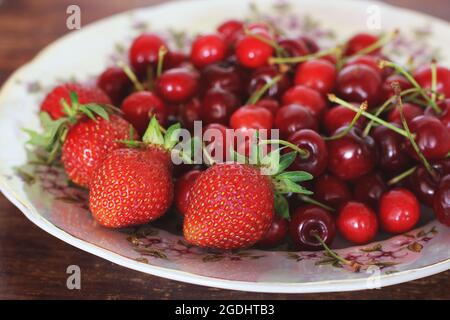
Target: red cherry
{"x": 183, "y": 187}
{"x": 218, "y": 105}
{"x": 399, "y": 211}
{"x": 208, "y": 49}
{"x": 387, "y": 91}
{"x": 306, "y": 97}
{"x": 318, "y": 74}
{"x": 441, "y": 202}
{"x": 270, "y": 104}
{"x": 331, "y": 191}
{"x": 357, "y": 222}
{"x": 410, "y": 111}
{"x": 230, "y": 30}
{"x": 444, "y": 116}
{"x": 309, "y": 221}
{"x": 252, "y": 52}
{"x": 294, "y": 47}
{"x": 359, "y": 83}
{"x": 316, "y": 161}
{"x": 293, "y": 117}
{"x": 222, "y": 75}
{"x": 189, "y": 112}
{"x": 423, "y": 76}
{"x": 359, "y": 42}
{"x": 217, "y": 139}
{"x": 264, "y": 75}
{"x": 177, "y": 85}
{"x": 144, "y": 51}
{"x": 338, "y": 117}
{"x": 251, "y": 117}
{"x": 351, "y": 156}
{"x": 140, "y": 107}
{"x": 369, "y": 189}
{"x": 174, "y": 59}
{"x": 370, "y": 61}
{"x": 276, "y": 233}
{"x": 312, "y": 46}
{"x": 115, "y": 83}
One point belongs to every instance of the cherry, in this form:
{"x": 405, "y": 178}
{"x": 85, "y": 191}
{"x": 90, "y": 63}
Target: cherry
{"x": 276, "y": 233}
{"x": 230, "y": 30}
{"x": 399, "y": 211}
{"x": 310, "y": 44}
{"x": 177, "y": 85}
{"x": 359, "y": 83}
{"x": 252, "y": 52}
{"x": 306, "y": 97}
{"x": 444, "y": 116}
{"x": 410, "y": 111}
{"x": 370, "y": 61}
{"x": 189, "y": 112}
{"x": 183, "y": 187}
{"x": 270, "y": 104}
{"x": 144, "y": 52}
{"x": 351, "y": 156}
{"x": 140, "y": 107}
{"x": 423, "y": 76}
{"x": 357, "y": 222}
{"x": 115, "y": 83}
{"x": 391, "y": 156}
{"x": 386, "y": 88}
{"x": 293, "y": 117}
{"x": 308, "y": 222}
{"x": 331, "y": 191}
{"x": 222, "y": 75}
{"x": 216, "y": 138}
{"x": 318, "y": 74}
{"x": 317, "y": 155}
{"x": 208, "y": 49}
{"x": 338, "y": 117}
{"x": 218, "y": 105}
{"x": 359, "y": 42}
{"x": 252, "y": 117}
{"x": 441, "y": 201}
{"x": 369, "y": 189}
{"x": 174, "y": 59}
{"x": 264, "y": 75}
{"x": 431, "y": 136}
{"x": 294, "y": 47}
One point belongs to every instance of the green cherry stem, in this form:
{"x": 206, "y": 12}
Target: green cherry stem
{"x": 401, "y": 176}
{"x": 353, "y": 265}
{"x": 279, "y": 50}
{"x": 161, "y": 54}
{"x": 303, "y": 153}
{"x": 433, "y": 80}
{"x": 310, "y": 200}
{"x": 343, "y": 133}
{"x": 299, "y": 59}
{"x": 374, "y": 46}
{"x": 256, "y": 96}
{"x": 130, "y": 74}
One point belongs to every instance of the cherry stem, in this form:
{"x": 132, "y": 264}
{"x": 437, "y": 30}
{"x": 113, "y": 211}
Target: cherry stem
{"x": 209, "y": 159}
{"x": 401, "y": 176}
{"x": 280, "y": 50}
{"x": 331, "y": 252}
{"x": 303, "y": 153}
{"x": 131, "y": 75}
{"x": 304, "y": 58}
{"x": 310, "y": 200}
{"x": 433, "y": 80}
{"x": 333, "y": 98}
{"x": 161, "y": 54}
{"x": 256, "y": 96}
{"x": 378, "y": 44}
{"x": 343, "y": 133}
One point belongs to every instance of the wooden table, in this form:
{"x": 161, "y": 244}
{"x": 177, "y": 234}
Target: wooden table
{"x": 33, "y": 263}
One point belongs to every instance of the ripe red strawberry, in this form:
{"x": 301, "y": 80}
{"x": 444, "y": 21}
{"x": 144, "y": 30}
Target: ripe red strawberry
{"x": 86, "y": 94}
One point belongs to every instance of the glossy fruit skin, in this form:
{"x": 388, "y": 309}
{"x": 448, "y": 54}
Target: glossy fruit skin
{"x": 115, "y": 83}
{"x": 230, "y": 30}
{"x": 399, "y": 211}
{"x": 369, "y": 189}
{"x": 424, "y": 78}
{"x": 218, "y": 105}
{"x": 139, "y": 107}
{"x": 131, "y": 187}
{"x": 357, "y": 222}
{"x": 270, "y": 104}
{"x": 144, "y": 51}
{"x": 253, "y": 53}
{"x": 431, "y": 136}
{"x": 307, "y": 221}
{"x": 316, "y": 161}
{"x": 360, "y": 41}
{"x": 351, "y": 156}
{"x": 359, "y": 83}
{"x": 389, "y": 144}
{"x": 293, "y": 117}
{"x": 177, "y": 85}
{"x": 88, "y": 143}
{"x": 86, "y": 94}
{"x": 306, "y": 97}
{"x": 208, "y": 49}
{"x": 183, "y": 188}
{"x": 251, "y": 117}
{"x": 370, "y": 61}
{"x": 331, "y": 191}
{"x": 444, "y": 116}
{"x": 318, "y": 74}
{"x": 338, "y": 117}
{"x": 294, "y": 47}
{"x": 216, "y": 218}
{"x": 410, "y": 111}
{"x": 222, "y": 75}
{"x": 189, "y": 112}
{"x": 441, "y": 202}
{"x": 388, "y": 91}
{"x": 276, "y": 233}
{"x": 264, "y": 75}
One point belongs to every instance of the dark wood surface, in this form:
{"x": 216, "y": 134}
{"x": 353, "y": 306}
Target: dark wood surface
{"x": 33, "y": 263}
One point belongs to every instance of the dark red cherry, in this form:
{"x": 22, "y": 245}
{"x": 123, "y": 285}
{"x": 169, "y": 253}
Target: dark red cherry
{"x": 315, "y": 162}
{"x": 230, "y": 30}
{"x": 431, "y": 136}
{"x": 177, "y": 85}
{"x": 387, "y": 91}
{"x": 293, "y": 117}
{"x": 174, "y": 59}
{"x": 218, "y": 141}
{"x": 399, "y": 211}
{"x": 115, "y": 83}
{"x": 208, "y": 49}
{"x": 218, "y": 105}
{"x": 189, "y": 112}
{"x": 140, "y": 107}
{"x": 276, "y": 233}
{"x": 357, "y": 222}
{"x": 331, "y": 191}
{"x": 444, "y": 116}
{"x": 252, "y": 52}
{"x": 441, "y": 201}
{"x": 270, "y": 104}
{"x": 423, "y": 76}
{"x": 144, "y": 52}
{"x": 359, "y": 83}
{"x": 294, "y": 47}
{"x": 340, "y": 116}
{"x": 308, "y": 222}
{"x": 369, "y": 189}
{"x": 252, "y": 117}
{"x": 370, "y": 61}
{"x": 318, "y": 74}
{"x": 312, "y": 45}
{"x": 264, "y": 75}
{"x": 306, "y": 97}
{"x": 222, "y": 75}
{"x": 359, "y": 42}
{"x": 183, "y": 187}
{"x": 410, "y": 111}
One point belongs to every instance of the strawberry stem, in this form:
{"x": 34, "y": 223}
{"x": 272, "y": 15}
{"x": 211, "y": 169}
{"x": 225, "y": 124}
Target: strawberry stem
{"x": 343, "y": 133}
{"x": 256, "y": 96}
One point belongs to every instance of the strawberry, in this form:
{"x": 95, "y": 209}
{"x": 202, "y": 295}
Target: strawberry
{"x": 232, "y": 205}
{"x": 134, "y": 186}
{"x": 86, "y": 94}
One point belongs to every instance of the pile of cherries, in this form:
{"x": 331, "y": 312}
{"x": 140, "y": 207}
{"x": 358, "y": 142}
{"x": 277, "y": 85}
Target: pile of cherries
{"x": 365, "y": 179}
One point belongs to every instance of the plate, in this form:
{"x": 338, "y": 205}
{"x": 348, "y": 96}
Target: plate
{"x": 49, "y": 201}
